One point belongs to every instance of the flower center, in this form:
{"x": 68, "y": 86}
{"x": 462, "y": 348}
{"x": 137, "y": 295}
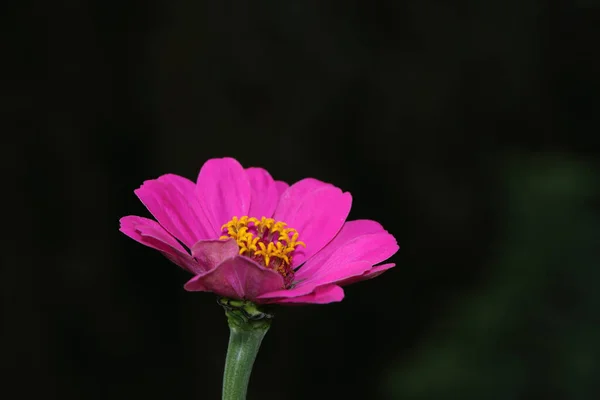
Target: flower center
{"x": 266, "y": 241}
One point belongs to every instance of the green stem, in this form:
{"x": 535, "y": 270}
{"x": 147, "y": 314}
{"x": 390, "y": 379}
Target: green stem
{"x": 248, "y": 326}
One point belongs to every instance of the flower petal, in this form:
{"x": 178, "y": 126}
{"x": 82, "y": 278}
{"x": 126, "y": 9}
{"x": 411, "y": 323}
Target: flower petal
{"x": 281, "y": 187}
{"x": 370, "y": 274}
{"x": 321, "y": 295}
{"x": 352, "y": 258}
{"x": 151, "y": 234}
{"x": 317, "y": 210}
{"x": 223, "y": 190}
{"x": 290, "y": 196}
{"x": 265, "y": 195}
{"x": 187, "y": 189}
{"x": 210, "y": 253}
{"x": 371, "y": 249}
{"x": 350, "y": 231}
{"x": 238, "y": 278}
{"x": 172, "y": 201}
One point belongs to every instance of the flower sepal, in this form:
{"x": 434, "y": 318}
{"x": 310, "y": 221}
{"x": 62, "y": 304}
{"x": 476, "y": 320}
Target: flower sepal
{"x": 244, "y": 314}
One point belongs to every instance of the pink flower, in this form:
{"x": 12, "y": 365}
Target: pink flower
{"x": 246, "y": 236}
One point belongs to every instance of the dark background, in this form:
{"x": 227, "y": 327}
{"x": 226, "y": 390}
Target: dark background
{"x": 469, "y": 129}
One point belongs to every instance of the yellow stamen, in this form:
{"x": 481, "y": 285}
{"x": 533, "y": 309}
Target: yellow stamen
{"x": 264, "y": 240}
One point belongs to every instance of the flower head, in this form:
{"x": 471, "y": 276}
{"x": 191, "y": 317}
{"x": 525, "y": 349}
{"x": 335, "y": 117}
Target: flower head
{"x": 246, "y": 236}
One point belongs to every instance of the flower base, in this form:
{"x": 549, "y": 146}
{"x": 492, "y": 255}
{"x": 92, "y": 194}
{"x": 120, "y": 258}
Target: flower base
{"x": 248, "y": 326}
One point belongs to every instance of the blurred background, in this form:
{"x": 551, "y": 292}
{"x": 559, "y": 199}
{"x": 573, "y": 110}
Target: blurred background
{"x": 469, "y": 129}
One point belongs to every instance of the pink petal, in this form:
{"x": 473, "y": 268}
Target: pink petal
{"x": 370, "y": 274}
{"x": 151, "y": 234}
{"x": 371, "y": 248}
{"x": 352, "y": 258}
{"x": 290, "y": 196}
{"x": 210, "y": 253}
{"x": 350, "y": 231}
{"x": 321, "y": 295}
{"x": 187, "y": 189}
{"x": 223, "y": 190}
{"x": 264, "y": 193}
{"x": 317, "y": 210}
{"x": 281, "y": 187}
{"x": 172, "y": 201}
{"x": 238, "y": 278}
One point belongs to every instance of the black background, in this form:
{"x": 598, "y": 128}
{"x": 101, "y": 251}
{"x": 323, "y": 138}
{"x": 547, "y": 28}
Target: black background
{"x": 468, "y": 129}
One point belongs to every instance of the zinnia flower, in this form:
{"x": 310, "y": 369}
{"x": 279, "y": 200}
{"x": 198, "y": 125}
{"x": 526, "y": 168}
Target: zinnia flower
{"x": 246, "y": 236}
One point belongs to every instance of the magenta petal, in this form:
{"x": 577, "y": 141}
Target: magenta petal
{"x": 321, "y": 295}
{"x": 292, "y": 194}
{"x": 223, "y": 190}
{"x": 349, "y": 231}
{"x": 317, "y": 210}
{"x": 141, "y": 229}
{"x": 151, "y": 234}
{"x": 281, "y": 187}
{"x": 370, "y": 274}
{"x": 307, "y": 286}
{"x": 371, "y": 248}
{"x": 238, "y": 278}
{"x": 265, "y": 195}
{"x": 210, "y": 253}
{"x": 187, "y": 190}
{"x": 353, "y": 258}
{"x": 172, "y": 201}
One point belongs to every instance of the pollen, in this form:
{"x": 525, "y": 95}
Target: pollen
{"x": 270, "y": 243}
